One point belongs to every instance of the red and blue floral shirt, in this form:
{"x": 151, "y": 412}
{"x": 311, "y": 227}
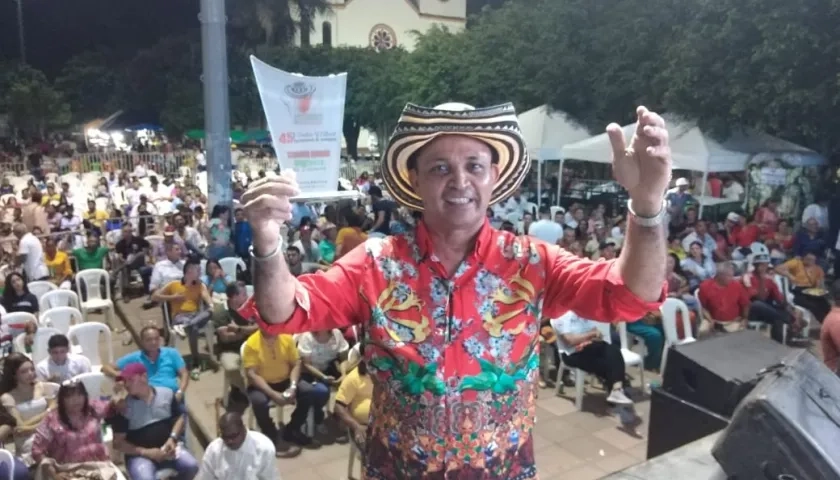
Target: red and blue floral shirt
{"x": 454, "y": 359}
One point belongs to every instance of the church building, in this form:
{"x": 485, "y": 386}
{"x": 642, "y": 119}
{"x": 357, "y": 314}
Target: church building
{"x": 382, "y": 24}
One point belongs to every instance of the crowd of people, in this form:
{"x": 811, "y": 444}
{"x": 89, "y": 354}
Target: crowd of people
{"x": 154, "y": 237}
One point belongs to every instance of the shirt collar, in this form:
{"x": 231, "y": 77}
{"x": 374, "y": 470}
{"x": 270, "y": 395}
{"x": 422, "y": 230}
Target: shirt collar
{"x": 483, "y": 241}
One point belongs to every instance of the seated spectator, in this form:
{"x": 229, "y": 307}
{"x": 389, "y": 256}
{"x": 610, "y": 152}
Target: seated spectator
{"x": 232, "y": 330}
{"x": 326, "y": 246}
{"x": 678, "y": 286}
{"x": 169, "y": 238}
{"x": 321, "y": 353}
{"x": 701, "y": 235}
{"x": 190, "y": 236}
{"x": 19, "y": 470}
{"x": 166, "y": 364}
{"x": 68, "y": 443}
{"x": 242, "y": 236}
{"x": 781, "y": 242}
{"x": 27, "y": 400}
{"x": 352, "y": 402}
{"x": 769, "y": 304}
{"x": 273, "y": 366}
{"x": 675, "y": 247}
{"x": 95, "y": 217}
{"x": 219, "y": 245}
{"x": 724, "y": 301}
{"x": 214, "y": 277}
{"x": 92, "y": 256}
{"x": 189, "y": 308}
{"x": 810, "y": 239}
{"x": 308, "y": 248}
{"x": 147, "y": 430}
{"x": 17, "y": 297}
{"x": 61, "y": 364}
{"x": 805, "y": 275}
{"x": 239, "y": 453}
{"x": 168, "y": 269}
{"x": 830, "y": 332}
{"x": 58, "y": 264}
{"x": 132, "y": 251}
{"x": 351, "y": 236}
{"x": 584, "y": 348}
{"x": 293, "y": 259}
{"x": 698, "y": 266}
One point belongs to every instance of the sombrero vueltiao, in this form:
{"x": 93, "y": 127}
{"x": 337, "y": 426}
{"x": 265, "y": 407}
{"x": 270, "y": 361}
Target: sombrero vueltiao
{"x": 496, "y": 126}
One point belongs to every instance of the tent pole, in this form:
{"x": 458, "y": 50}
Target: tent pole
{"x": 703, "y": 192}
{"x": 539, "y": 185}
{"x": 560, "y": 182}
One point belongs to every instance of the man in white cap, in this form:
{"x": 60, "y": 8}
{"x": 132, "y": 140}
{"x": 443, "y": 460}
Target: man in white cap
{"x": 451, "y": 310}
{"x": 677, "y": 199}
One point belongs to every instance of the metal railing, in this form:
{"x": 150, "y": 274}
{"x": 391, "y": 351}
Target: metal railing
{"x": 161, "y": 163}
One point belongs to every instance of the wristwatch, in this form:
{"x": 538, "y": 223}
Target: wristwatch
{"x": 653, "y": 221}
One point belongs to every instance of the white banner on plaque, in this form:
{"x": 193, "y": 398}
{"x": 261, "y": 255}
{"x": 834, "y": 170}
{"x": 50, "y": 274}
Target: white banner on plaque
{"x": 305, "y": 117}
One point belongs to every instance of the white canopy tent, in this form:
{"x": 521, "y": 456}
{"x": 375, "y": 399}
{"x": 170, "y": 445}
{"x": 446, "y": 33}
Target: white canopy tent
{"x": 691, "y": 149}
{"x": 546, "y": 132}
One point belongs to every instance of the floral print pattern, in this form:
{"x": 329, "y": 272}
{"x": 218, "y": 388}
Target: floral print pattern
{"x": 454, "y": 358}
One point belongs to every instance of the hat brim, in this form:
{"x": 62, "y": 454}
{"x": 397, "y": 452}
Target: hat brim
{"x": 497, "y": 127}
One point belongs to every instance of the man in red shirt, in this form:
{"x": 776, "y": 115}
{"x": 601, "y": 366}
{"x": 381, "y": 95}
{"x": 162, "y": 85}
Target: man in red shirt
{"x": 725, "y": 302}
{"x": 830, "y": 332}
{"x": 451, "y": 310}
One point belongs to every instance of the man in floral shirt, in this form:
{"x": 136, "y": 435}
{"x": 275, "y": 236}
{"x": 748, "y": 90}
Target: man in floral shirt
{"x": 451, "y": 309}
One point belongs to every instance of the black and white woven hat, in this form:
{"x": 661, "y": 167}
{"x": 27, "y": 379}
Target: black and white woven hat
{"x": 496, "y": 126}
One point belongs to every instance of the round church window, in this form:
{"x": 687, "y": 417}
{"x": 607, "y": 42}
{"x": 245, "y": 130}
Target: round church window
{"x": 383, "y": 37}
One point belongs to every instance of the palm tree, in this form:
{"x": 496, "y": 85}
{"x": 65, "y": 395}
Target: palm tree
{"x": 274, "y": 22}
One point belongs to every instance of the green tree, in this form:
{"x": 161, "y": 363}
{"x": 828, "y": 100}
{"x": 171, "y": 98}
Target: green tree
{"x": 274, "y": 22}
{"x": 33, "y": 105}
{"x": 89, "y": 81}
{"x": 183, "y": 108}
{"x": 768, "y": 64}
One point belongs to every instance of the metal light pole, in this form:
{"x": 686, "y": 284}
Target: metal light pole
{"x": 216, "y": 108}
{"x": 21, "y": 36}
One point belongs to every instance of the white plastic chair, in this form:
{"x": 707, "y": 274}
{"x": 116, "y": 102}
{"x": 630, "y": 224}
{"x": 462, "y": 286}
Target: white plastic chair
{"x": 355, "y": 452}
{"x": 40, "y": 348}
{"x": 631, "y": 358}
{"x": 58, "y": 298}
{"x": 8, "y": 459}
{"x": 92, "y": 280}
{"x": 580, "y": 375}
{"x": 229, "y": 265}
{"x": 40, "y": 288}
{"x": 86, "y": 336}
{"x": 61, "y": 318}
{"x": 669, "y": 311}
{"x": 555, "y": 209}
{"x": 17, "y": 321}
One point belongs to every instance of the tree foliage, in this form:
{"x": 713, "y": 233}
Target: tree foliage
{"x": 31, "y": 102}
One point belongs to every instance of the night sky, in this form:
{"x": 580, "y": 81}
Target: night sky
{"x": 59, "y": 29}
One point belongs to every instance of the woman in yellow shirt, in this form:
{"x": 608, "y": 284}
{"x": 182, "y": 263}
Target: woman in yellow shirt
{"x": 352, "y": 402}
{"x": 189, "y": 305}
{"x": 805, "y": 276}
{"x": 58, "y": 263}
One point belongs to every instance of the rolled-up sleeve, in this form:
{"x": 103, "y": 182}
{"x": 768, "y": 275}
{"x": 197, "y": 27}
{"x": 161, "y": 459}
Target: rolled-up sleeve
{"x": 592, "y": 289}
{"x": 324, "y": 300}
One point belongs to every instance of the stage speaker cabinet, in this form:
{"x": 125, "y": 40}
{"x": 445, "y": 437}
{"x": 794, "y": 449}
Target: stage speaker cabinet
{"x": 716, "y": 373}
{"x": 674, "y": 423}
{"x": 788, "y": 427}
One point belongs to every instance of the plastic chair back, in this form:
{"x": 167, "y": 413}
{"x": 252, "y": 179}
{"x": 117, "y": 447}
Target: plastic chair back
{"x": 40, "y": 288}
{"x": 95, "y": 383}
{"x": 229, "y": 265}
{"x": 17, "y": 321}
{"x": 61, "y": 318}
{"x": 8, "y": 459}
{"x": 92, "y": 279}
{"x": 58, "y": 298}
{"x": 86, "y": 336}
{"x": 669, "y": 311}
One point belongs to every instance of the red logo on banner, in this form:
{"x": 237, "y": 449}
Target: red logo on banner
{"x": 301, "y": 92}
{"x": 287, "y": 137}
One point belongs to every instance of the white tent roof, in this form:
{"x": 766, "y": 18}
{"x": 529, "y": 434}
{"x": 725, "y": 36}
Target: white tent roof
{"x": 691, "y": 149}
{"x": 546, "y": 132}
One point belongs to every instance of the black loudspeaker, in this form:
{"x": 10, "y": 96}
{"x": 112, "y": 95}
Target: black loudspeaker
{"x": 674, "y": 422}
{"x": 788, "y": 428}
{"x": 718, "y": 372}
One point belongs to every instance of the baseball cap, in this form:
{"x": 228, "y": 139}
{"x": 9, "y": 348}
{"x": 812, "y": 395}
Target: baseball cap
{"x": 132, "y": 370}
{"x": 682, "y": 182}
{"x": 733, "y": 217}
